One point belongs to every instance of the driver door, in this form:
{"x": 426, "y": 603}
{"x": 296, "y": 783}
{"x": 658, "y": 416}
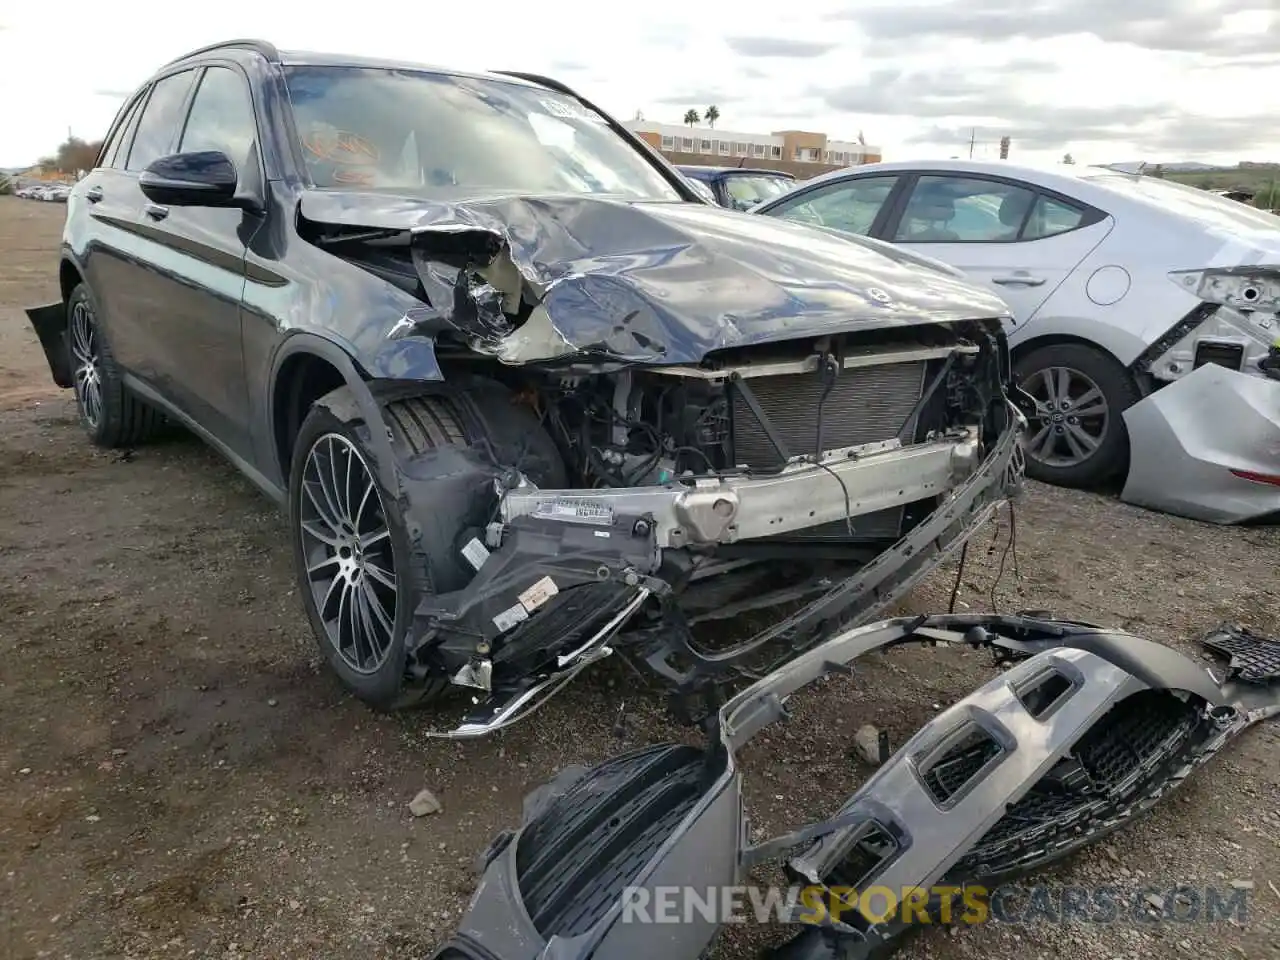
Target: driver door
{"x": 855, "y": 205}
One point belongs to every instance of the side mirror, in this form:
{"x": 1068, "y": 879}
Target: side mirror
{"x": 205, "y": 178}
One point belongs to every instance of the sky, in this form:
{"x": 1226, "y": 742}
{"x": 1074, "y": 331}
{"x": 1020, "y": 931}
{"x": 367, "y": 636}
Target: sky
{"x": 1103, "y": 80}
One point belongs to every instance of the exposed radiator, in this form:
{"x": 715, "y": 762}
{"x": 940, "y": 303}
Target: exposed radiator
{"x": 865, "y": 405}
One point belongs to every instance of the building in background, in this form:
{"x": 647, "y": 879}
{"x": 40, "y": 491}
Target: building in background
{"x": 798, "y": 152}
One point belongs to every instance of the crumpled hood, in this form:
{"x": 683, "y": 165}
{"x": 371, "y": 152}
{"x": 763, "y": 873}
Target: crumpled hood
{"x": 531, "y": 279}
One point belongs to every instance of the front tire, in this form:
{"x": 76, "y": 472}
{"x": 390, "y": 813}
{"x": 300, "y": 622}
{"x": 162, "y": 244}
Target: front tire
{"x": 1078, "y": 436}
{"x": 359, "y": 577}
{"x": 112, "y": 416}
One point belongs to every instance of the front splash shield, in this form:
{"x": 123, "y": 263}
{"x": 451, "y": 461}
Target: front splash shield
{"x": 1101, "y": 722}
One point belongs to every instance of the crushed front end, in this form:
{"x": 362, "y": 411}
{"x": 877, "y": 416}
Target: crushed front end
{"x": 629, "y": 420}
{"x": 825, "y": 476}
{"x": 1085, "y": 730}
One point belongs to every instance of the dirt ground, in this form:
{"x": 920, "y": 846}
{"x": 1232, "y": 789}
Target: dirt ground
{"x": 179, "y": 778}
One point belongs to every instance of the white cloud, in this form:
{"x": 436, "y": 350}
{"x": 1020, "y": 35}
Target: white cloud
{"x": 1117, "y": 83}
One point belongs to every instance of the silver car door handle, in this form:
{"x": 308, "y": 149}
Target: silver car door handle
{"x": 93, "y": 194}
{"x": 156, "y": 212}
{"x": 1023, "y": 279}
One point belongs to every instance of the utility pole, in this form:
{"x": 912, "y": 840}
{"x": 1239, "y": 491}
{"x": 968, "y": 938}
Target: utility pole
{"x": 973, "y": 137}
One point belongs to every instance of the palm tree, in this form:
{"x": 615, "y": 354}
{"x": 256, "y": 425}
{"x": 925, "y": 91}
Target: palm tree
{"x": 691, "y": 117}
{"x": 712, "y": 115}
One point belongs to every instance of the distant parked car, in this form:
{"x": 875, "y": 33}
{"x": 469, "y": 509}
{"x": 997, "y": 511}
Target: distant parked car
{"x": 740, "y": 188}
{"x": 1146, "y": 315}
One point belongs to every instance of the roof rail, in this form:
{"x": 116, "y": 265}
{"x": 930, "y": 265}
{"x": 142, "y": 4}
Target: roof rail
{"x": 258, "y": 46}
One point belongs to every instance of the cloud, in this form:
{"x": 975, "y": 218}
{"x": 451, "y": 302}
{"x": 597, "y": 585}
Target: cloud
{"x": 1049, "y": 71}
{"x": 1181, "y": 136}
{"x": 778, "y": 47}
{"x": 990, "y": 105}
{"x": 699, "y": 95}
{"x": 962, "y": 92}
{"x": 1192, "y": 26}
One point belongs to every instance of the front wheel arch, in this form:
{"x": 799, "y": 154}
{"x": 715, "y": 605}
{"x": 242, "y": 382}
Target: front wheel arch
{"x": 357, "y": 400}
{"x": 70, "y": 276}
{"x": 1050, "y": 339}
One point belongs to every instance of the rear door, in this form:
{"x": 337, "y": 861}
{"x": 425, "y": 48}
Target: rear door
{"x": 196, "y": 260}
{"x": 135, "y": 297}
{"x": 101, "y": 213}
{"x": 1017, "y": 238}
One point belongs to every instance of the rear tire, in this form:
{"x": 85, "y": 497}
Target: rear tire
{"x": 1078, "y": 438}
{"x": 112, "y": 416}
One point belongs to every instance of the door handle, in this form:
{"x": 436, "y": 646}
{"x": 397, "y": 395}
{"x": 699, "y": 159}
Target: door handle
{"x": 93, "y": 194}
{"x": 1019, "y": 279}
{"x": 156, "y": 212}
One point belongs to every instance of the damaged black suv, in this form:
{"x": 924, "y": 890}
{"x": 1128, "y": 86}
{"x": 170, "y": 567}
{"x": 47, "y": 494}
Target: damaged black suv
{"x": 529, "y": 400}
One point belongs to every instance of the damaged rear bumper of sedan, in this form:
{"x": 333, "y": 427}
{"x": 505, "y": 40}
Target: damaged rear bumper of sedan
{"x": 1086, "y": 729}
{"x": 1207, "y": 446}
{"x": 575, "y": 569}
{"x": 1205, "y": 442}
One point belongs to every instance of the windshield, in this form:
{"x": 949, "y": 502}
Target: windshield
{"x": 449, "y": 136}
{"x": 746, "y": 190}
{"x": 1189, "y": 202}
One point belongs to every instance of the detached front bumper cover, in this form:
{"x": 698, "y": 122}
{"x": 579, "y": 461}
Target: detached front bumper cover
{"x": 1087, "y": 729}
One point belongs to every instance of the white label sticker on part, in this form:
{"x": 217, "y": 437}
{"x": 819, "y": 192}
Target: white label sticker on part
{"x": 475, "y": 552}
{"x": 510, "y": 617}
{"x": 538, "y": 594}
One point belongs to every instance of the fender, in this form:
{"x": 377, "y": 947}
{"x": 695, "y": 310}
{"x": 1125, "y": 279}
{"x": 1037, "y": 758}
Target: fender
{"x": 408, "y": 358}
{"x": 358, "y": 401}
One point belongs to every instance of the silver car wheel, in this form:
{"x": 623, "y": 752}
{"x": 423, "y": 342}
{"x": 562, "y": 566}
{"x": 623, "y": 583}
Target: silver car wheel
{"x": 1072, "y": 417}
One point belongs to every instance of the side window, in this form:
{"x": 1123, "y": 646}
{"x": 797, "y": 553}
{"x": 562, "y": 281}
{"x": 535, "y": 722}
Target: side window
{"x": 1050, "y": 217}
{"x": 221, "y": 117}
{"x": 112, "y": 152}
{"x": 160, "y": 118}
{"x": 963, "y": 210}
{"x": 851, "y": 205}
